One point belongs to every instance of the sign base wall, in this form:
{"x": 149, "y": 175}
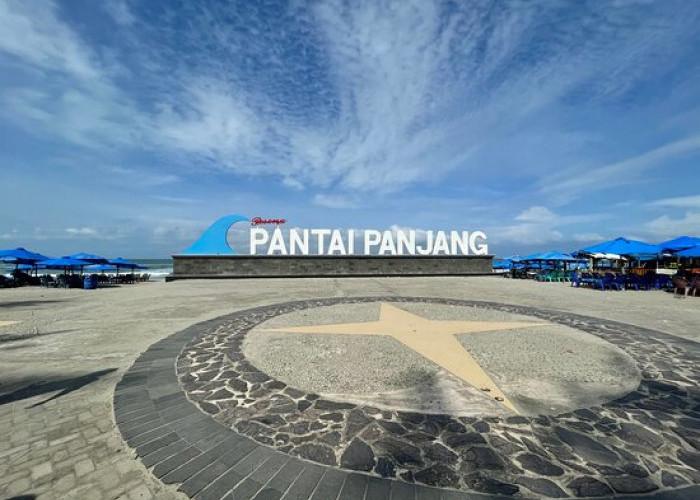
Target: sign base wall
{"x": 274, "y": 266}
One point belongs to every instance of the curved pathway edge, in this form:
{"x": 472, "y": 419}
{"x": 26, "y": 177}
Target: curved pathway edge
{"x": 182, "y": 445}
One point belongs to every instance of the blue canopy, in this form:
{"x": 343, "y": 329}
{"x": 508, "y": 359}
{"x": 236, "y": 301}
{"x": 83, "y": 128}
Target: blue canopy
{"x": 87, "y": 257}
{"x": 680, "y": 243}
{"x": 119, "y": 262}
{"x": 21, "y": 256}
{"x": 690, "y": 252}
{"x": 64, "y": 263}
{"x": 30, "y": 267}
{"x": 557, "y": 256}
{"x": 101, "y": 267}
{"x": 623, "y": 246}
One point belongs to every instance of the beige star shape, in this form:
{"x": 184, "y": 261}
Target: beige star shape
{"x": 432, "y": 339}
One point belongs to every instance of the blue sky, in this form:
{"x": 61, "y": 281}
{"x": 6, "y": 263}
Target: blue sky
{"x": 128, "y": 127}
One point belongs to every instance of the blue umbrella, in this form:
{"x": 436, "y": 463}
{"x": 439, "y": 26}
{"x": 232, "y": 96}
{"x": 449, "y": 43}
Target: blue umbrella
{"x": 21, "y": 256}
{"x": 690, "y": 252}
{"x": 119, "y": 262}
{"x": 64, "y": 263}
{"x": 30, "y": 267}
{"x": 557, "y": 256}
{"x": 623, "y": 246}
{"x": 680, "y": 243}
{"x": 101, "y": 267}
{"x": 88, "y": 257}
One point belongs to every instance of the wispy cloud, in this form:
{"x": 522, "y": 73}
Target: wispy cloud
{"x": 334, "y": 201}
{"x": 539, "y": 225}
{"x": 354, "y": 105}
{"x": 666, "y": 227}
{"x": 679, "y": 202}
{"x": 619, "y": 173}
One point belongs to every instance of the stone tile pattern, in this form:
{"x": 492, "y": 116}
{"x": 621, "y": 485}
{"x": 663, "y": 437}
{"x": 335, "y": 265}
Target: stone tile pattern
{"x": 67, "y": 449}
{"x": 648, "y": 440}
{"x": 206, "y": 460}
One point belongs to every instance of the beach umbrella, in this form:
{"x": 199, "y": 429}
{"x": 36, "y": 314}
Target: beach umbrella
{"x": 680, "y": 243}
{"x": 127, "y": 264}
{"x": 30, "y": 267}
{"x": 64, "y": 263}
{"x": 21, "y": 256}
{"x": 104, "y": 268}
{"x": 690, "y": 252}
{"x": 556, "y": 256}
{"x": 88, "y": 257}
{"x": 624, "y": 246}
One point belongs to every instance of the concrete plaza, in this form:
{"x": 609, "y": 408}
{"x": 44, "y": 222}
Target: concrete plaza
{"x": 63, "y": 356}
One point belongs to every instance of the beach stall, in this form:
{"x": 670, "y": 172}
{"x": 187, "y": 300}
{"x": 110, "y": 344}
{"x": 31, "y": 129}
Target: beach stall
{"x": 67, "y": 265}
{"x": 624, "y": 249}
{"x": 125, "y": 264}
{"x": 21, "y": 256}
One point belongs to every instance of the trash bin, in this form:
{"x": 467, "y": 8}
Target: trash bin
{"x": 90, "y": 282}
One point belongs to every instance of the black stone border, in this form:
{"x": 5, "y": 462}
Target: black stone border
{"x": 184, "y": 446}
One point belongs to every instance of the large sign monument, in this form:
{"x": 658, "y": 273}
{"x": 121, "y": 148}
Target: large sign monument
{"x": 274, "y": 251}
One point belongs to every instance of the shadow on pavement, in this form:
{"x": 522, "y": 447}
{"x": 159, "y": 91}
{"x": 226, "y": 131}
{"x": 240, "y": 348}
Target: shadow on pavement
{"x": 23, "y": 497}
{"x": 28, "y": 303}
{"x": 28, "y": 336}
{"x": 65, "y": 386}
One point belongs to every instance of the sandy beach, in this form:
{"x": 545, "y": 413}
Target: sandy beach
{"x": 66, "y": 350}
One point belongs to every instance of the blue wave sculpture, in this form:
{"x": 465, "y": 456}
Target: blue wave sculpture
{"x": 214, "y": 240}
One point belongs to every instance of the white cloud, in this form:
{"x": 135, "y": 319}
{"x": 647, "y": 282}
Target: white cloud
{"x": 33, "y": 33}
{"x": 574, "y": 183}
{"x": 539, "y": 225}
{"x": 588, "y": 237}
{"x": 379, "y": 95}
{"x": 536, "y": 215}
{"x": 119, "y": 11}
{"x": 81, "y": 231}
{"x": 666, "y": 227}
{"x": 680, "y": 202}
{"x": 334, "y": 201}
{"x": 178, "y": 200}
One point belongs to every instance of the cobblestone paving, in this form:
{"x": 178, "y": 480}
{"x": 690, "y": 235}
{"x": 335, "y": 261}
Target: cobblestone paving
{"x": 69, "y": 450}
{"x": 641, "y": 443}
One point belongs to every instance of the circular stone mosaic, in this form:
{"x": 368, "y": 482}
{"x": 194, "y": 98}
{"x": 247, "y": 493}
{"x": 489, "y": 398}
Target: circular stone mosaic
{"x": 619, "y": 412}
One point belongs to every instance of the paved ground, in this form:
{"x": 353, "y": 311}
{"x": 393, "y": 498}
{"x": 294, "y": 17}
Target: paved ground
{"x": 60, "y": 363}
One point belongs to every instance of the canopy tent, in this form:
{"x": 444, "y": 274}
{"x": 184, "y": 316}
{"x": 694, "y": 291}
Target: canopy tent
{"x": 600, "y": 255}
{"x": 103, "y": 268}
{"x": 555, "y": 256}
{"x": 623, "y": 247}
{"x": 64, "y": 263}
{"x": 680, "y": 243}
{"x": 690, "y": 252}
{"x": 21, "y": 256}
{"x": 88, "y": 257}
{"x": 127, "y": 264}
{"x": 502, "y": 264}
{"x": 30, "y": 267}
